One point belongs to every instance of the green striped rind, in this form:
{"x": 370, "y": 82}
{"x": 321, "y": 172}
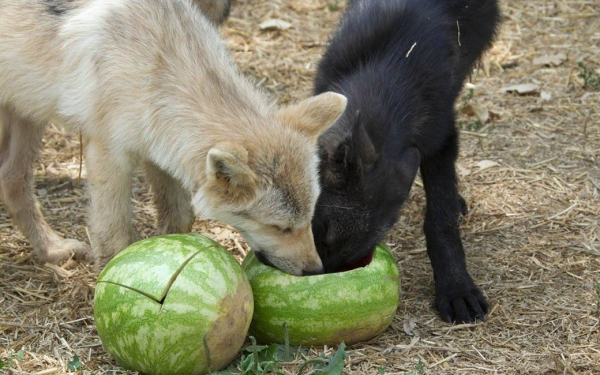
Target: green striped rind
{"x": 153, "y": 269}
{"x": 324, "y": 309}
{"x": 210, "y": 297}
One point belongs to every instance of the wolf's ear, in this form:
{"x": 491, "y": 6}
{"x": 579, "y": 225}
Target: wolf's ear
{"x": 364, "y": 145}
{"x": 228, "y": 172}
{"x": 316, "y": 114}
{"x": 340, "y": 158}
{"x": 338, "y": 165}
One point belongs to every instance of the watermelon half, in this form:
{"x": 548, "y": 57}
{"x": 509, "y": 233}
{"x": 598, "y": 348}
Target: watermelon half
{"x": 348, "y": 307}
{"x": 174, "y": 304}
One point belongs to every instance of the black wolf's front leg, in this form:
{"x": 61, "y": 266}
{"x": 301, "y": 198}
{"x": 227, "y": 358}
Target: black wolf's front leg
{"x": 457, "y": 299}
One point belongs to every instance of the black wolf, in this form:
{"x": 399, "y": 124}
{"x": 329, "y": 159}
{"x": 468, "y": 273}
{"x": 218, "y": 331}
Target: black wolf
{"x": 401, "y": 64}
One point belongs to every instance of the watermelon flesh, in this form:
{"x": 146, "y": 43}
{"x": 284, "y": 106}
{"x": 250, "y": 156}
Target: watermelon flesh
{"x": 359, "y": 263}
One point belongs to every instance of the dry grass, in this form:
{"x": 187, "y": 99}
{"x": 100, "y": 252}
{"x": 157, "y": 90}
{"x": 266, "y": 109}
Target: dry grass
{"x": 532, "y": 234}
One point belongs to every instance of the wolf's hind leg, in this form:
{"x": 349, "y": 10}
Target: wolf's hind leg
{"x": 20, "y": 143}
{"x": 172, "y": 202}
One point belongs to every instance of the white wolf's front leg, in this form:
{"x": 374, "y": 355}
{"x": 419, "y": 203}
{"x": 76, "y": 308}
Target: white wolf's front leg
{"x": 109, "y": 176}
{"x": 20, "y": 143}
{"x": 172, "y": 202}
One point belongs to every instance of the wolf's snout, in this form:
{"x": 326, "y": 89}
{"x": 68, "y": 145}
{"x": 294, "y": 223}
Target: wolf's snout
{"x": 319, "y": 271}
{"x": 295, "y": 255}
{"x": 313, "y": 264}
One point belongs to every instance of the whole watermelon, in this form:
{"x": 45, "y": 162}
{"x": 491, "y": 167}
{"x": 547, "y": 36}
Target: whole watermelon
{"x": 174, "y": 304}
{"x": 348, "y": 307}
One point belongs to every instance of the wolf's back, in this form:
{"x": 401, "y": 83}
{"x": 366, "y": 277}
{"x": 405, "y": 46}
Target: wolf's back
{"x": 476, "y": 23}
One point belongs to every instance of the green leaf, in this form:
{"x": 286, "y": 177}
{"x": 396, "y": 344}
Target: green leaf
{"x": 268, "y": 356}
{"x": 294, "y": 352}
{"x": 336, "y": 365}
{"x": 267, "y": 353}
{"x": 419, "y": 369}
{"x": 334, "y": 6}
{"x": 324, "y": 365}
{"x": 231, "y": 370}
{"x": 271, "y": 352}
{"x": 271, "y": 368}
{"x": 254, "y": 348}
{"x": 319, "y": 363}
{"x": 6, "y": 363}
{"x": 264, "y": 360}
{"x": 75, "y": 364}
{"x": 247, "y": 364}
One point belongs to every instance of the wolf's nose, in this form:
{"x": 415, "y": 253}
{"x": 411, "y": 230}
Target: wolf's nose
{"x": 318, "y": 271}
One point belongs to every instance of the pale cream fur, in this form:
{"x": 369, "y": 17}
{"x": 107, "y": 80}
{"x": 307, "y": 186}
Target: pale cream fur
{"x": 149, "y": 82}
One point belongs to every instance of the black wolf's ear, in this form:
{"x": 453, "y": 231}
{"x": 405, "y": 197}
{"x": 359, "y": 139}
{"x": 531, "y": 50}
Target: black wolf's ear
{"x": 339, "y": 159}
{"x": 228, "y": 172}
{"x": 364, "y": 145}
{"x": 407, "y": 166}
{"x": 336, "y": 166}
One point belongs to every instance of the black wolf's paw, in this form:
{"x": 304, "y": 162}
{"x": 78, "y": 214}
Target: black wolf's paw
{"x": 459, "y": 304}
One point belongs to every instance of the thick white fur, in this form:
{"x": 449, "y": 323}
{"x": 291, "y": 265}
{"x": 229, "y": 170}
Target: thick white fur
{"x": 149, "y": 82}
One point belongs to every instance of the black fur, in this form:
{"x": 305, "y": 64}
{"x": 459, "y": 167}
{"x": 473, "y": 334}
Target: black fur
{"x": 226, "y": 12}
{"x": 402, "y": 64}
{"x": 58, "y": 7}
{"x": 216, "y": 10}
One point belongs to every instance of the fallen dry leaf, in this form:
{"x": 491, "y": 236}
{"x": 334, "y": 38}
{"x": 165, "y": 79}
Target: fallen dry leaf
{"x": 477, "y": 110}
{"x": 486, "y": 164}
{"x": 61, "y": 272}
{"x": 585, "y": 97}
{"x": 522, "y": 89}
{"x": 409, "y": 326}
{"x": 275, "y": 24}
{"x": 462, "y": 171}
{"x": 550, "y": 60}
{"x": 545, "y": 95}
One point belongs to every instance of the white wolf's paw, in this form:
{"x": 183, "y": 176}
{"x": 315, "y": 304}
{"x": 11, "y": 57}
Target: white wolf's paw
{"x": 62, "y": 249}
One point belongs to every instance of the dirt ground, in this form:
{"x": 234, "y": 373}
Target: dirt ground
{"x": 531, "y": 178}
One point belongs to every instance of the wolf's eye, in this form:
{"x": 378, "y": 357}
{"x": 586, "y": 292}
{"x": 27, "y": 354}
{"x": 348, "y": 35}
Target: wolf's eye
{"x": 283, "y": 229}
